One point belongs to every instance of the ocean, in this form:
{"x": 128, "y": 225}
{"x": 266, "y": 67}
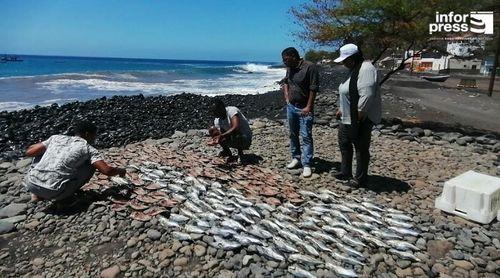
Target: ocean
{"x": 44, "y": 80}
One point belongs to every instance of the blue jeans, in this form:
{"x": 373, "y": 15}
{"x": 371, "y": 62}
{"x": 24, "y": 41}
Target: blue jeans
{"x": 299, "y": 124}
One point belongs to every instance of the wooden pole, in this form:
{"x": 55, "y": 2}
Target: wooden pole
{"x": 494, "y": 68}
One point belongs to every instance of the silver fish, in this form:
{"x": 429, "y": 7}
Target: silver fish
{"x": 298, "y": 272}
{"x": 371, "y": 206}
{"x": 220, "y": 212}
{"x": 202, "y": 223}
{"x": 258, "y": 231}
{"x": 323, "y": 236}
{"x": 270, "y": 253}
{"x": 178, "y": 218}
{"x": 294, "y": 229}
{"x": 176, "y": 173}
{"x": 340, "y": 215}
{"x": 305, "y": 259}
{"x": 179, "y": 181}
{"x": 187, "y": 213}
{"x": 283, "y": 217}
{"x": 375, "y": 241}
{"x": 339, "y": 232}
{"x": 158, "y": 173}
{"x": 194, "y": 229}
{"x": 200, "y": 187}
{"x": 235, "y": 195}
{"x": 242, "y": 217}
{"x": 319, "y": 244}
{"x": 280, "y": 224}
{"x": 309, "y": 211}
{"x": 284, "y": 246}
{"x": 374, "y": 213}
{"x": 325, "y": 198}
{"x": 221, "y": 232}
{"x": 291, "y": 236}
{"x": 308, "y": 194}
{"x": 193, "y": 195}
{"x": 345, "y": 259}
{"x": 309, "y": 249}
{"x": 214, "y": 195}
{"x": 367, "y": 218}
{"x": 402, "y": 245}
{"x": 334, "y": 223}
{"x": 358, "y": 231}
{"x": 250, "y": 211}
{"x": 264, "y": 206}
{"x": 385, "y": 235}
{"x": 247, "y": 240}
{"x": 285, "y": 210}
{"x": 209, "y": 216}
{"x": 391, "y": 210}
{"x": 355, "y": 206}
{"x": 404, "y": 255}
{"x": 205, "y": 205}
{"x": 168, "y": 223}
{"x": 119, "y": 180}
{"x": 326, "y": 191}
{"x": 352, "y": 241}
{"x": 341, "y": 208}
{"x": 398, "y": 223}
{"x": 309, "y": 218}
{"x": 219, "y": 192}
{"x": 364, "y": 225}
{"x": 181, "y": 236}
{"x": 399, "y": 216}
{"x": 322, "y": 210}
{"x": 351, "y": 251}
{"x": 178, "y": 197}
{"x": 216, "y": 184}
{"x": 223, "y": 244}
{"x": 234, "y": 191}
{"x": 233, "y": 203}
{"x": 213, "y": 201}
{"x": 404, "y": 231}
{"x": 175, "y": 188}
{"x": 224, "y": 207}
{"x": 341, "y": 271}
{"x": 192, "y": 207}
{"x": 271, "y": 225}
{"x": 307, "y": 225}
{"x": 229, "y": 223}
{"x": 244, "y": 202}
{"x": 292, "y": 207}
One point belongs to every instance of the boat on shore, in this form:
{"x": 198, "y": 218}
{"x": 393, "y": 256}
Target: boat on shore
{"x": 437, "y": 78}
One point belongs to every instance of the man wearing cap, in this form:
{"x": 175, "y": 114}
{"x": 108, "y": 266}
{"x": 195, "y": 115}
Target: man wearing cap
{"x": 301, "y": 84}
{"x": 359, "y": 109}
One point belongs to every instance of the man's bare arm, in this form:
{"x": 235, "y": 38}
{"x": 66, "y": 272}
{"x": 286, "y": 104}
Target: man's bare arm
{"x": 107, "y": 170}
{"x": 36, "y": 150}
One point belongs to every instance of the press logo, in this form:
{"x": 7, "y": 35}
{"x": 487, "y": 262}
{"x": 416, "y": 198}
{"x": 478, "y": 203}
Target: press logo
{"x": 476, "y": 22}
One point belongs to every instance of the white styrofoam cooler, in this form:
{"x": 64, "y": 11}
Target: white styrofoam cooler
{"x": 473, "y": 196}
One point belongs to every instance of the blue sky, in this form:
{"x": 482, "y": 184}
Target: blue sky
{"x": 251, "y": 30}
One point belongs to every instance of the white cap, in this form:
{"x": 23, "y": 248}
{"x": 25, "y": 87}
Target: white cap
{"x": 346, "y": 51}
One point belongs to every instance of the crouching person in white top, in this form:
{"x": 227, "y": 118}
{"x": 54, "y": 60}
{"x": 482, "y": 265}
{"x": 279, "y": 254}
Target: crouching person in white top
{"x": 359, "y": 109}
{"x": 230, "y": 130}
{"x": 63, "y": 164}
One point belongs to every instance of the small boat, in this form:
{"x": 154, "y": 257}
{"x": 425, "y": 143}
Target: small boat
{"x": 437, "y": 78}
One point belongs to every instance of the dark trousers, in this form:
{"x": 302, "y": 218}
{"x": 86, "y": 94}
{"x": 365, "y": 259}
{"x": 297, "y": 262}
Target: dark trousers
{"x": 362, "y": 145}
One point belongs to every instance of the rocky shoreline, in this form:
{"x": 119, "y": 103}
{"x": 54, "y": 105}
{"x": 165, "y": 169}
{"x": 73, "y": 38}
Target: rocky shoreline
{"x": 407, "y": 175}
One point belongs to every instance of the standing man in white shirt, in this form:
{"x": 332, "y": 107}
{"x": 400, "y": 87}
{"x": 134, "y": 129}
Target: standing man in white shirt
{"x": 360, "y": 107}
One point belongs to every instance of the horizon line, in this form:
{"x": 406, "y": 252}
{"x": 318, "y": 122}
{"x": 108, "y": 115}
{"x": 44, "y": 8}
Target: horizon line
{"x": 133, "y": 58}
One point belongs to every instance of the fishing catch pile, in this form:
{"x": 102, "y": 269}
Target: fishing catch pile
{"x": 251, "y": 206}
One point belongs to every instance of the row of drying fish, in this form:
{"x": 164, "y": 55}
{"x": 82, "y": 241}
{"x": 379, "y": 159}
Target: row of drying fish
{"x": 326, "y": 226}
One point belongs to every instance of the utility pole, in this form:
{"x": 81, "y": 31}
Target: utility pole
{"x": 494, "y": 68}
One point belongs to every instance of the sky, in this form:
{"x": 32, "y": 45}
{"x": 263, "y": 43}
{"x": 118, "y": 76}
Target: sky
{"x": 232, "y": 30}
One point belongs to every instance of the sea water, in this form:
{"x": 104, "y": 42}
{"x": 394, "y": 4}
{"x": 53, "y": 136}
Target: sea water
{"x": 44, "y": 80}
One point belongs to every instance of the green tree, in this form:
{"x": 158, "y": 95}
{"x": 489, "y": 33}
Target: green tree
{"x": 316, "y": 56}
{"x": 376, "y": 25}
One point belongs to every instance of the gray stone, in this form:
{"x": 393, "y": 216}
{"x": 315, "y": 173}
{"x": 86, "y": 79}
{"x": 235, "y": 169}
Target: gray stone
{"x": 153, "y": 234}
{"x": 403, "y": 263}
{"x": 491, "y": 267}
{"x": 465, "y": 239}
{"x": 38, "y": 262}
{"x": 178, "y": 134}
{"x": 182, "y": 261}
{"x": 110, "y": 272}
{"x": 6, "y": 165}
{"x": 457, "y": 255}
{"x": 6, "y": 227}
{"x": 247, "y": 259}
{"x": 23, "y": 163}
{"x": 199, "y": 250}
{"x": 463, "y": 264}
{"x": 12, "y": 210}
{"x": 15, "y": 219}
